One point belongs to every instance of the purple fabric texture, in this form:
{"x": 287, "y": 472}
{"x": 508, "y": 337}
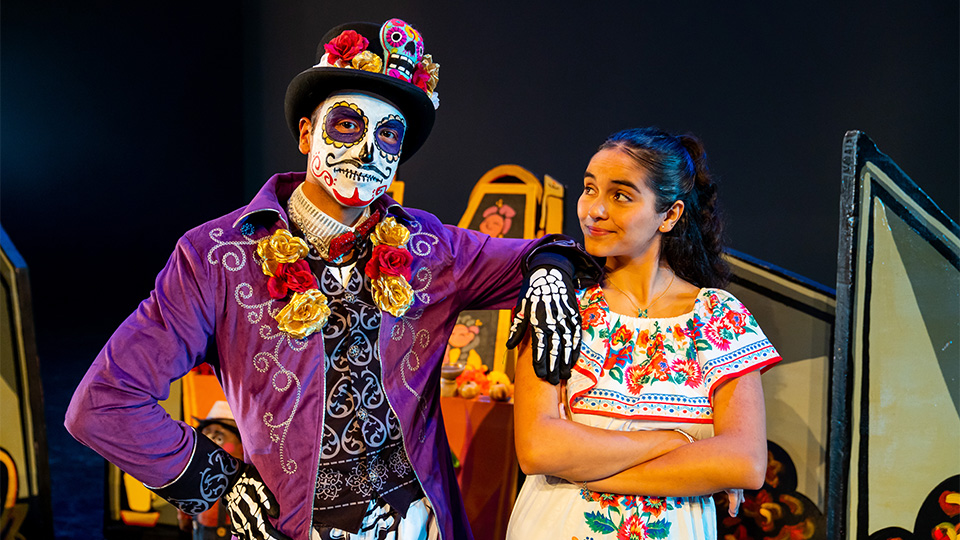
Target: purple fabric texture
{"x": 212, "y": 290}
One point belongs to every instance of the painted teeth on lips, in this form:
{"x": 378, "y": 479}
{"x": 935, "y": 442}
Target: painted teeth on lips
{"x": 356, "y": 175}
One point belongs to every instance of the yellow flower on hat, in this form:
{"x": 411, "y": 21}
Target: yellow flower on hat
{"x": 367, "y": 61}
{"x": 392, "y": 294}
{"x": 306, "y": 313}
{"x": 281, "y": 247}
{"x": 391, "y": 233}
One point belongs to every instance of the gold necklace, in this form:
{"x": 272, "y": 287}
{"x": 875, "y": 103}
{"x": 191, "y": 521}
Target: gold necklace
{"x": 643, "y": 312}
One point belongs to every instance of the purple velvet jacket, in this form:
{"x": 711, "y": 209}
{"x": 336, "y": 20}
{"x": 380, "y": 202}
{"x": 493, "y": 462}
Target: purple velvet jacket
{"x": 212, "y": 291}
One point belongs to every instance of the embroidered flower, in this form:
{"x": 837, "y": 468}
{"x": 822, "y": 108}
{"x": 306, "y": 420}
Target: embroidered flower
{"x": 306, "y": 313}
{"x": 420, "y": 79}
{"x": 636, "y": 376}
{"x": 367, "y": 61}
{"x": 618, "y": 358}
{"x": 608, "y": 499}
{"x": 592, "y": 316}
{"x": 679, "y": 335}
{"x": 390, "y": 233}
{"x": 693, "y": 328}
{"x": 280, "y": 247}
{"x": 660, "y": 369}
{"x": 344, "y": 47}
{"x": 392, "y": 294}
{"x": 657, "y": 365}
{"x": 621, "y": 335}
{"x": 389, "y": 261}
{"x": 593, "y": 296}
{"x": 643, "y": 338}
{"x": 653, "y": 505}
{"x": 295, "y": 276}
{"x": 714, "y": 332}
{"x": 713, "y": 305}
{"x": 688, "y": 372}
{"x": 632, "y": 528}
{"x": 736, "y": 322}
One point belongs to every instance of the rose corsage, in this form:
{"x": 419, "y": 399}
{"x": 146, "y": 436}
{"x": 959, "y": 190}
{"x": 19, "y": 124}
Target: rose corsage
{"x": 389, "y": 267}
{"x": 282, "y": 259}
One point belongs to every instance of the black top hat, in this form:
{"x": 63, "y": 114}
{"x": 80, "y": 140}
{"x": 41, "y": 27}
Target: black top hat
{"x": 312, "y": 86}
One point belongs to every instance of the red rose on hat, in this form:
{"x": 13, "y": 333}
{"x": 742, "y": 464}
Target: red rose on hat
{"x": 345, "y": 46}
{"x": 390, "y": 261}
{"x": 295, "y": 276}
{"x": 421, "y": 79}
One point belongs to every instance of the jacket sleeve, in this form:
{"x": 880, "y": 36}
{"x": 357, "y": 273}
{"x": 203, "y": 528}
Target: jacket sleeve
{"x": 488, "y": 271}
{"x": 116, "y": 410}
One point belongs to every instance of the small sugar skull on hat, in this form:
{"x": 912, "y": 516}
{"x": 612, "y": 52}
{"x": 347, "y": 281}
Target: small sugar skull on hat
{"x": 403, "y": 48}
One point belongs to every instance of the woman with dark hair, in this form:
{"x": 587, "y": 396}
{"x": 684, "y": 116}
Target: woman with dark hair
{"x": 664, "y": 406}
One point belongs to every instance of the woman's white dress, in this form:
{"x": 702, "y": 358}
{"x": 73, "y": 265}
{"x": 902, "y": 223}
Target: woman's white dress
{"x": 641, "y": 373}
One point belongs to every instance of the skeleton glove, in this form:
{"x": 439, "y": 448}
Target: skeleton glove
{"x": 548, "y": 303}
{"x": 248, "y": 503}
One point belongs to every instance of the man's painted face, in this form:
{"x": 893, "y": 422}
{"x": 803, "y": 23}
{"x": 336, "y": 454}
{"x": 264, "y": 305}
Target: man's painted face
{"x": 355, "y": 147}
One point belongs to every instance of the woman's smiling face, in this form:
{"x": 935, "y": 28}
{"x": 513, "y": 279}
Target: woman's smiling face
{"x": 617, "y": 209}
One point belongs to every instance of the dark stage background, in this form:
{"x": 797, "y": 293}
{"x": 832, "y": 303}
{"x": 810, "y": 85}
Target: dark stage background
{"x": 126, "y": 123}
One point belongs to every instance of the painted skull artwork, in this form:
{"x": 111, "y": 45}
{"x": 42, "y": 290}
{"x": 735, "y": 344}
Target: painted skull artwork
{"x": 356, "y": 148}
{"x": 403, "y": 48}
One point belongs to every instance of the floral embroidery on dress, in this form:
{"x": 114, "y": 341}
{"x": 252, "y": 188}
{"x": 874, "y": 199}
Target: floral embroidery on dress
{"x": 638, "y": 373}
{"x": 631, "y": 517}
{"x": 664, "y": 367}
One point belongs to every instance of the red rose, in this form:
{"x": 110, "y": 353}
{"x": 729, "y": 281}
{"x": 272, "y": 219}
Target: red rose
{"x": 390, "y": 261}
{"x": 295, "y": 277}
{"x": 420, "y": 78}
{"x": 346, "y": 46}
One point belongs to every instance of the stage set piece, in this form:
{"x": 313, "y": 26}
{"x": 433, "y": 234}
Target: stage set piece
{"x": 25, "y": 472}
{"x": 894, "y": 461}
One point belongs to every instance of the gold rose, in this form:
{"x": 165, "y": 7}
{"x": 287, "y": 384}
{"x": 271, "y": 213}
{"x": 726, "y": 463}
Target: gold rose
{"x": 392, "y": 294}
{"x": 306, "y": 313}
{"x": 367, "y": 61}
{"x": 281, "y": 247}
{"x": 390, "y": 233}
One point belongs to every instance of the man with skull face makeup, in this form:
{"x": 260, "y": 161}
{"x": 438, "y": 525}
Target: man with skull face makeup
{"x": 329, "y": 306}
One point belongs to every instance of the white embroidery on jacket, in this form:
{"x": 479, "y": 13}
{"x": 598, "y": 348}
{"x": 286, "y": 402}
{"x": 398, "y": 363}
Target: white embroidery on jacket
{"x": 233, "y": 260}
{"x": 282, "y": 379}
